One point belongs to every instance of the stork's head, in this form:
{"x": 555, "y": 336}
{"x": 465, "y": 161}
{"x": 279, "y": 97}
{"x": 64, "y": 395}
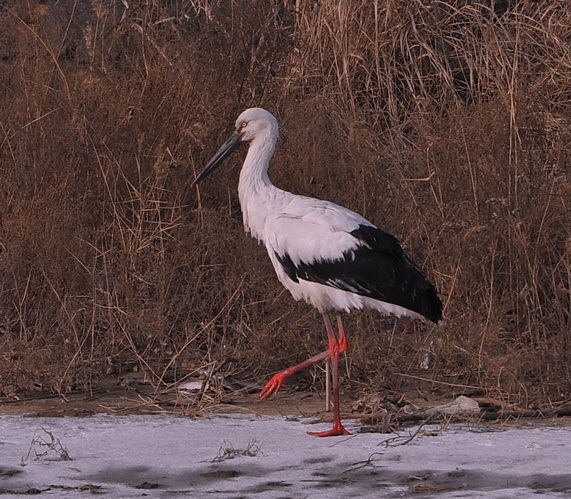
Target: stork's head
{"x": 252, "y": 123}
{"x": 255, "y": 121}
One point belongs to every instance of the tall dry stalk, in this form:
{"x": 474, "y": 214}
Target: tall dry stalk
{"x": 444, "y": 122}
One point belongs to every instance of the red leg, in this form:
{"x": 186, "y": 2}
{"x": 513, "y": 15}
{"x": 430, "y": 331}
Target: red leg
{"x": 337, "y": 345}
{"x": 343, "y": 345}
{"x": 276, "y": 381}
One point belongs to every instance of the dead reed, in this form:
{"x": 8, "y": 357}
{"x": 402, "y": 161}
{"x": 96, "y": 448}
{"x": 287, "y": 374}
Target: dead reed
{"x": 445, "y": 122}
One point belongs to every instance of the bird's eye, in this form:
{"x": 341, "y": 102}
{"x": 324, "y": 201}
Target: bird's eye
{"x": 244, "y": 124}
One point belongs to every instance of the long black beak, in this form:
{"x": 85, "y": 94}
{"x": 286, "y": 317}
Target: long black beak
{"x": 231, "y": 144}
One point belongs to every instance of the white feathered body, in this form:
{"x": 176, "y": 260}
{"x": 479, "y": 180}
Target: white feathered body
{"x": 305, "y": 231}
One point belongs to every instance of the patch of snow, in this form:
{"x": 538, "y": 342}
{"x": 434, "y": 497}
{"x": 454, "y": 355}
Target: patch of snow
{"x": 273, "y": 457}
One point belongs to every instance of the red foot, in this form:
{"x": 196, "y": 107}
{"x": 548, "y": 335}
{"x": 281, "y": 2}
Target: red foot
{"x": 336, "y": 431}
{"x": 273, "y": 385}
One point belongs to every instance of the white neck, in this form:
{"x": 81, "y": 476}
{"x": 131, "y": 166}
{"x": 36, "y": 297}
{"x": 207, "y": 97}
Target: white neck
{"x": 255, "y": 188}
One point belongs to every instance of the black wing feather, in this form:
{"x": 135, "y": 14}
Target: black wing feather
{"x": 378, "y": 268}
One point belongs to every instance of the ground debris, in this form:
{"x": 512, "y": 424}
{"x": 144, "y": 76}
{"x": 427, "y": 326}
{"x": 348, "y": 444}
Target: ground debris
{"x": 228, "y": 451}
{"x": 461, "y": 409}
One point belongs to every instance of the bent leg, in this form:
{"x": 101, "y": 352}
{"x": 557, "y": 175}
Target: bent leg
{"x": 277, "y": 379}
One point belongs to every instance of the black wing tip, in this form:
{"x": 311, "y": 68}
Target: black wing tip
{"x": 377, "y": 239}
{"x": 426, "y": 300}
{"x": 434, "y": 312}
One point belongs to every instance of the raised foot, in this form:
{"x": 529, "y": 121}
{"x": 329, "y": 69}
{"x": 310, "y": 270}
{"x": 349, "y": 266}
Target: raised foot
{"x": 336, "y": 431}
{"x": 273, "y": 385}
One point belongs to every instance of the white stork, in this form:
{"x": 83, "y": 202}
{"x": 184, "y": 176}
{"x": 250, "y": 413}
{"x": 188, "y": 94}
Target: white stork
{"x": 325, "y": 254}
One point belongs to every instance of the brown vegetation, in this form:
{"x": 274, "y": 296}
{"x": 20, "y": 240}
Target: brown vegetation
{"x": 448, "y": 123}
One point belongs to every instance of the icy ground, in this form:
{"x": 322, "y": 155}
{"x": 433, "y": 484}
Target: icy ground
{"x": 273, "y": 457}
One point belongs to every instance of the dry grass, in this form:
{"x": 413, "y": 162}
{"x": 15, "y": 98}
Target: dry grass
{"x": 447, "y": 123}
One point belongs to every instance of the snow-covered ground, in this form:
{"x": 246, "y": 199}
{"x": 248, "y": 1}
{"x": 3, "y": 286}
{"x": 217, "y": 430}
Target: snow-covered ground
{"x": 273, "y": 457}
